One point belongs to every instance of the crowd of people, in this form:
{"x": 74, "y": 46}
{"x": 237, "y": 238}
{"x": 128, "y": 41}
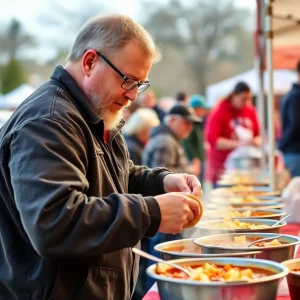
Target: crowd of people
{"x": 189, "y": 138}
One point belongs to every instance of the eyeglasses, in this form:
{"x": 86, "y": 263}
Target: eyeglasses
{"x": 128, "y": 83}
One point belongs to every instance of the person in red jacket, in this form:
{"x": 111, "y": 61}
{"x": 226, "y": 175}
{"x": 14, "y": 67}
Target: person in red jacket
{"x": 231, "y": 124}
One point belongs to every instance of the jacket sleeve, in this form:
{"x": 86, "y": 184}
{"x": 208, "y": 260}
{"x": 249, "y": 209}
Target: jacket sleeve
{"x": 48, "y": 164}
{"x": 146, "y": 181}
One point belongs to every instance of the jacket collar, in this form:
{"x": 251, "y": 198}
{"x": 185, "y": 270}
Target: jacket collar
{"x": 68, "y": 83}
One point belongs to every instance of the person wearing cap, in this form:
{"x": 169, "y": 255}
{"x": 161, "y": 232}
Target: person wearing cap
{"x": 194, "y": 143}
{"x": 165, "y": 145}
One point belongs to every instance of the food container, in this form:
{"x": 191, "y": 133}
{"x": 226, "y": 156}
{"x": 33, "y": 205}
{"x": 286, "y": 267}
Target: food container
{"x": 212, "y": 245}
{"x": 246, "y": 200}
{"x": 264, "y": 288}
{"x": 186, "y": 248}
{"x": 254, "y": 205}
{"x": 204, "y": 228}
{"x": 240, "y": 190}
{"x": 245, "y": 181}
{"x": 293, "y": 277}
{"x": 273, "y": 214}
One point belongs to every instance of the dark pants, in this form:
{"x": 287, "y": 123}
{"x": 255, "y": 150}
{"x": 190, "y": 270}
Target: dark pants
{"x": 292, "y": 163}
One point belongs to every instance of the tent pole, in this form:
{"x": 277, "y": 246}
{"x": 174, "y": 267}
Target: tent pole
{"x": 259, "y": 65}
{"x": 270, "y": 94}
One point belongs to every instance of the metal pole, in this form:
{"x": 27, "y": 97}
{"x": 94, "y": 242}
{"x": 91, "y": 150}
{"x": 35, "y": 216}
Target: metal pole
{"x": 260, "y": 69}
{"x": 261, "y": 112}
{"x": 270, "y": 94}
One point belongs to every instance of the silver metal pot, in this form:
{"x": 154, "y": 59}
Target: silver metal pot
{"x": 277, "y": 253}
{"x": 264, "y": 288}
{"x": 239, "y": 200}
{"x": 253, "y": 205}
{"x": 273, "y": 214}
{"x": 205, "y": 228}
{"x": 249, "y": 182}
{"x": 293, "y": 278}
{"x": 194, "y": 251}
{"x": 256, "y": 191}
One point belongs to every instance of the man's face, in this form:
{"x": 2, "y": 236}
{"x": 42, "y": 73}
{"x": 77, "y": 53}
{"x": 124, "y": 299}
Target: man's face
{"x": 103, "y": 85}
{"x": 200, "y": 112}
{"x": 182, "y": 127}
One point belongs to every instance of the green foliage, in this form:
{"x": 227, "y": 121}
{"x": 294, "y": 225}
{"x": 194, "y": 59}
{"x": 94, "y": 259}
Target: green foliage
{"x": 14, "y": 39}
{"x": 13, "y": 75}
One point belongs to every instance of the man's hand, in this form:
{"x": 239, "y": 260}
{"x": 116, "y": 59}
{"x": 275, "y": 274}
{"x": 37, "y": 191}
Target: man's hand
{"x": 182, "y": 183}
{"x": 177, "y": 210}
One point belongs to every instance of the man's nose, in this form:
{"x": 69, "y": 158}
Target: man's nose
{"x": 132, "y": 94}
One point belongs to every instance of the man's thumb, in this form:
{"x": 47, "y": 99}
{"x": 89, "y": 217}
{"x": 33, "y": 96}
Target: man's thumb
{"x": 183, "y": 187}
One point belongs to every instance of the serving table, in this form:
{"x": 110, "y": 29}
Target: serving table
{"x": 292, "y": 228}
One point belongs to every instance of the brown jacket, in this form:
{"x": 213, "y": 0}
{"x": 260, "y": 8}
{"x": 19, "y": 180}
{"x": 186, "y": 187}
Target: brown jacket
{"x": 71, "y": 206}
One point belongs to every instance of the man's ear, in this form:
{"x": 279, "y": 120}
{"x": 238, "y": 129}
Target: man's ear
{"x": 88, "y": 61}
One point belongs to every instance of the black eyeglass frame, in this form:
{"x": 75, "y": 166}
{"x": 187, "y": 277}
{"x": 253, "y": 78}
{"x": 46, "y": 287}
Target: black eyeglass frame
{"x": 144, "y": 84}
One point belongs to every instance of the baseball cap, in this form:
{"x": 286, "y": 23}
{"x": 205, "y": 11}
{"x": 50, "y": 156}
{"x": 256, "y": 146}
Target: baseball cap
{"x": 198, "y": 101}
{"x": 185, "y": 112}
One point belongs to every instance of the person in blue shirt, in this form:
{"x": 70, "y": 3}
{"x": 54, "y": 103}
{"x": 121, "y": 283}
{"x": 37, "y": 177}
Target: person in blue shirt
{"x": 289, "y": 143}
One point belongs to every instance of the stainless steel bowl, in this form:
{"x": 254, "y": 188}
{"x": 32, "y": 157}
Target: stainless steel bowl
{"x": 253, "y": 205}
{"x": 264, "y": 288}
{"x": 251, "y": 182}
{"x": 193, "y": 251}
{"x": 256, "y": 191}
{"x": 204, "y": 228}
{"x": 278, "y": 253}
{"x": 239, "y": 200}
{"x": 273, "y": 214}
{"x": 256, "y": 175}
{"x": 293, "y": 278}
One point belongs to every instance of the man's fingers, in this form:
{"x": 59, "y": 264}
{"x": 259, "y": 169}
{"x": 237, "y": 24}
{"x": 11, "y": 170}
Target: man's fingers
{"x": 194, "y": 206}
{"x": 190, "y": 216}
{"x": 194, "y": 185}
{"x": 197, "y": 191}
{"x": 186, "y": 223}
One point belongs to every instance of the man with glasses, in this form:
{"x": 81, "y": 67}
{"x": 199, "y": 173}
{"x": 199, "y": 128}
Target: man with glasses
{"x": 72, "y": 204}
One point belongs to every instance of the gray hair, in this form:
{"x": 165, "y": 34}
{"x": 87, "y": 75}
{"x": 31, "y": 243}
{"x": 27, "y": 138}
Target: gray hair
{"x": 109, "y": 33}
{"x": 141, "y": 119}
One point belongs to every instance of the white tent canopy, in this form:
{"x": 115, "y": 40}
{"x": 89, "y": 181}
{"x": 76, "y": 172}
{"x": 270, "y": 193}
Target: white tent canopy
{"x": 14, "y": 98}
{"x": 283, "y": 79}
{"x": 286, "y": 25}
{"x": 4, "y": 116}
